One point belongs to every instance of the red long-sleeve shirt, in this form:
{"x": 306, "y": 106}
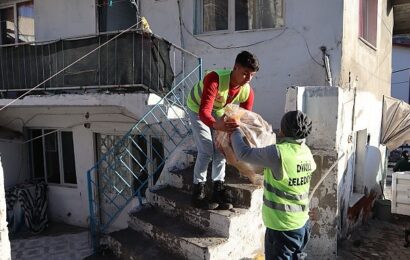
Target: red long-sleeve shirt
{"x": 211, "y": 84}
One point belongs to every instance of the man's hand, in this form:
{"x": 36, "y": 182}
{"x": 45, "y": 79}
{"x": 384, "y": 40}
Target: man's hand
{"x": 225, "y": 126}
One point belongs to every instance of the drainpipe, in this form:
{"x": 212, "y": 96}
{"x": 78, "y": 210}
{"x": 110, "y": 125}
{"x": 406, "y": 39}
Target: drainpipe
{"x": 326, "y": 61}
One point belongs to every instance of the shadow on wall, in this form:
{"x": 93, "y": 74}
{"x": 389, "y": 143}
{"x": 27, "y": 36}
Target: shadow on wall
{"x": 358, "y": 193}
{"x": 361, "y": 210}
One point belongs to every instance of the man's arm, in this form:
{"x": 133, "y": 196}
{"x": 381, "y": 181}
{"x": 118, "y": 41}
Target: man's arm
{"x": 248, "y": 104}
{"x": 210, "y": 90}
{"x": 267, "y": 157}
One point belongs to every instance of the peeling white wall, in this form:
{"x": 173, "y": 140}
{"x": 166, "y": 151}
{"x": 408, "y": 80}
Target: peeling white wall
{"x": 284, "y": 56}
{"x": 400, "y": 87}
{"x": 365, "y": 77}
{"x": 321, "y": 104}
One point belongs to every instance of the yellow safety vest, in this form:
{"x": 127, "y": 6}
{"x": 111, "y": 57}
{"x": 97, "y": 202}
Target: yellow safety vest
{"x": 285, "y": 202}
{"x": 194, "y": 98}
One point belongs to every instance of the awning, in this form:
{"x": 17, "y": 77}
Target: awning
{"x": 395, "y": 123}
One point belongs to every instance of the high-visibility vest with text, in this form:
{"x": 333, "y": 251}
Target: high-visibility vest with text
{"x": 194, "y": 97}
{"x": 285, "y": 202}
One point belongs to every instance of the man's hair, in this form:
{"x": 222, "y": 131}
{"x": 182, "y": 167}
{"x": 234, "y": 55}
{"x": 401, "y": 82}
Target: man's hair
{"x": 405, "y": 154}
{"x": 296, "y": 124}
{"x": 248, "y": 60}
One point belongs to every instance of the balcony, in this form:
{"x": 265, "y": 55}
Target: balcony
{"x": 135, "y": 61}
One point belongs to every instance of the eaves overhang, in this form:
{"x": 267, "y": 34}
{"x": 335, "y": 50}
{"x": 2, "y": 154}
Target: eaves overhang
{"x": 401, "y": 9}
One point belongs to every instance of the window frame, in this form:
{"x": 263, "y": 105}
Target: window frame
{"x": 60, "y": 156}
{"x": 14, "y": 6}
{"x": 364, "y": 23}
{"x": 198, "y": 20}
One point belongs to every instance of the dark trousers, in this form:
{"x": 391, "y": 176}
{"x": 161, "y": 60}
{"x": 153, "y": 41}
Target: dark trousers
{"x": 286, "y": 244}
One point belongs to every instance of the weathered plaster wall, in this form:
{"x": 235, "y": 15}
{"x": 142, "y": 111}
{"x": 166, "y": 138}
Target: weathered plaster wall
{"x": 365, "y": 78}
{"x": 283, "y": 53}
{"x": 400, "y": 87}
{"x": 321, "y": 104}
{"x": 5, "y": 251}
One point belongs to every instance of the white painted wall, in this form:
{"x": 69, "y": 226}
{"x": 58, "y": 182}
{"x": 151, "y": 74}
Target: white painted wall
{"x": 400, "y": 87}
{"x": 5, "y": 250}
{"x": 55, "y": 19}
{"x": 14, "y": 156}
{"x": 110, "y": 114}
{"x": 365, "y": 78}
{"x": 284, "y": 57}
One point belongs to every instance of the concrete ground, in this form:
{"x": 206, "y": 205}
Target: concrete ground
{"x": 378, "y": 239}
{"x": 58, "y": 241}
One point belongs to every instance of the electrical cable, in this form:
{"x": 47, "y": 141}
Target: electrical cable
{"x": 251, "y": 44}
{"x": 401, "y": 70}
{"x": 232, "y": 47}
{"x": 401, "y": 82}
{"x": 68, "y": 66}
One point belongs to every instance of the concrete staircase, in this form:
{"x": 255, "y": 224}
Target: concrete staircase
{"x": 176, "y": 230}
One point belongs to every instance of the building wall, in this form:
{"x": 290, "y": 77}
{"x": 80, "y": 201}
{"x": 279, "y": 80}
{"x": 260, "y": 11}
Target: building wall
{"x": 5, "y": 250}
{"x": 365, "y": 78}
{"x": 400, "y": 87}
{"x": 55, "y": 19}
{"x": 109, "y": 114}
{"x": 283, "y": 53}
{"x": 14, "y": 157}
{"x": 321, "y": 104}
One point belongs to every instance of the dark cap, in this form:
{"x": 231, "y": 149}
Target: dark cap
{"x": 296, "y": 124}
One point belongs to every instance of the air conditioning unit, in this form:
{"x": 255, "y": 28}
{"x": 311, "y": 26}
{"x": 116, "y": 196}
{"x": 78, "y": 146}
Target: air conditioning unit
{"x": 401, "y": 193}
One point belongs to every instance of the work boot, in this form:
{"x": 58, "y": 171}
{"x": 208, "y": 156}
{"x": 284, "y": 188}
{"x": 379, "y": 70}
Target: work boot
{"x": 199, "y": 199}
{"x": 220, "y": 196}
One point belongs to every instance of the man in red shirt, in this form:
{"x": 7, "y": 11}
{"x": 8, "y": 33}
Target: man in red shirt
{"x": 206, "y": 103}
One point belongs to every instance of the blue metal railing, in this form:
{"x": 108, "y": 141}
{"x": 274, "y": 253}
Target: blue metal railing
{"x": 129, "y": 164}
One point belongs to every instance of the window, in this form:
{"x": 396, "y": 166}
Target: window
{"x": 116, "y": 15}
{"x": 238, "y": 15}
{"x": 368, "y": 21}
{"x": 52, "y": 155}
{"x": 17, "y": 23}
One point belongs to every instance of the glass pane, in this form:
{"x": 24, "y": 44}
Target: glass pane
{"x": 120, "y": 15}
{"x": 254, "y": 14}
{"x": 68, "y": 157}
{"x": 215, "y": 15}
{"x": 37, "y": 152}
{"x": 25, "y": 14}
{"x": 7, "y": 26}
{"x": 52, "y": 160}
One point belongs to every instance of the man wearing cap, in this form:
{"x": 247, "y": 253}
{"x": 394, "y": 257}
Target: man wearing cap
{"x": 206, "y": 103}
{"x": 403, "y": 164}
{"x": 288, "y": 168}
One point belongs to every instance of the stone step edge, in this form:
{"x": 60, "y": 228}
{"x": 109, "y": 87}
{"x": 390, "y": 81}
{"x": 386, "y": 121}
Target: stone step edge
{"x": 183, "y": 246}
{"x": 205, "y": 219}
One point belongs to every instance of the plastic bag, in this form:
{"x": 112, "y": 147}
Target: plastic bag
{"x": 257, "y": 132}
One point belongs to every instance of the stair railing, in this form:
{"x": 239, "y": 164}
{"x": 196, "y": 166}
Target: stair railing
{"x": 134, "y": 161}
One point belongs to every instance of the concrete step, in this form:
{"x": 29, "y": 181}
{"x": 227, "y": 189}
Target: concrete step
{"x": 130, "y": 244}
{"x": 177, "y": 203}
{"x": 178, "y": 236}
{"x": 239, "y": 188}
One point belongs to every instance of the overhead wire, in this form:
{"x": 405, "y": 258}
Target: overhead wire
{"x": 400, "y": 70}
{"x": 68, "y": 66}
{"x": 284, "y": 29}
